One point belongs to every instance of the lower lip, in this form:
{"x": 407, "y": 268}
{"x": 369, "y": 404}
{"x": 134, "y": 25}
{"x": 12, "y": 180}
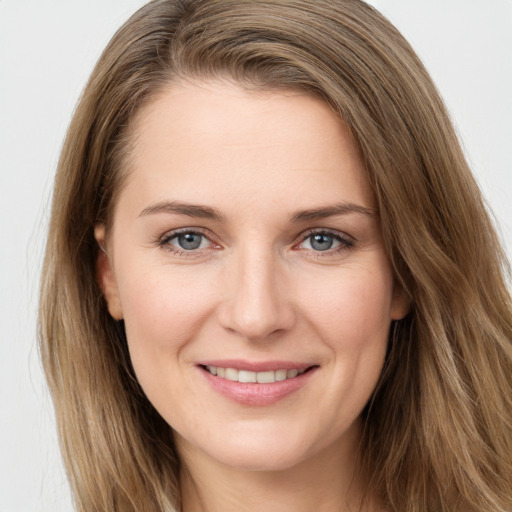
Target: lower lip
{"x": 257, "y": 394}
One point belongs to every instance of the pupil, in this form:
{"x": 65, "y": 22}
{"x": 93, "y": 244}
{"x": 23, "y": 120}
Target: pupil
{"x": 321, "y": 242}
{"x": 189, "y": 241}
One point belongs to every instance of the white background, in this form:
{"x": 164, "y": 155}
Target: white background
{"x": 47, "y": 50}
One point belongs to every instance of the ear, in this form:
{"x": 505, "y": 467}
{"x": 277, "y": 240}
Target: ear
{"x": 400, "y": 303}
{"x": 105, "y": 275}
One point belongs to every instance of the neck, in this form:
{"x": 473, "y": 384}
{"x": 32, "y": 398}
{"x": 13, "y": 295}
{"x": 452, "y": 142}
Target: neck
{"x": 327, "y": 482}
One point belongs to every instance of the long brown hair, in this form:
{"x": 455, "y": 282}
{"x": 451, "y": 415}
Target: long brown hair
{"x": 438, "y": 429}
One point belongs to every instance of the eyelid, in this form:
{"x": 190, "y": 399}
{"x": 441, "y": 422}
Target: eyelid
{"x": 163, "y": 241}
{"x": 346, "y": 241}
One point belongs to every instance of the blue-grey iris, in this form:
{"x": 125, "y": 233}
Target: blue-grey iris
{"x": 321, "y": 242}
{"x": 190, "y": 241}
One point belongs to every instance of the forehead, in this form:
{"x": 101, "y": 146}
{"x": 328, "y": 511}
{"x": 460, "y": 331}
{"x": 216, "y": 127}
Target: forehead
{"x": 212, "y": 141}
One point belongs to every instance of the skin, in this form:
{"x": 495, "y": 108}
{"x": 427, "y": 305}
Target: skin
{"x": 256, "y": 289}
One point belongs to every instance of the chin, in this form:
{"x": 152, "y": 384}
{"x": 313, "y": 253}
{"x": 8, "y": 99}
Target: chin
{"x": 260, "y": 460}
{"x": 269, "y": 450}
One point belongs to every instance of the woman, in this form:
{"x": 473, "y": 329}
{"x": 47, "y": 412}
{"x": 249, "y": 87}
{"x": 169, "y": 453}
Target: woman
{"x": 271, "y": 281}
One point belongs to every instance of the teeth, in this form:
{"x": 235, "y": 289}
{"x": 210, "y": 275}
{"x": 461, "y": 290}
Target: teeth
{"x": 252, "y": 377}
{"x": 266, "y": 377}
{"x": 290, "y": 374}
{"x": 231, "y": 374}
{"x": 245, "y": 376}
{"x": 281, "y": 375}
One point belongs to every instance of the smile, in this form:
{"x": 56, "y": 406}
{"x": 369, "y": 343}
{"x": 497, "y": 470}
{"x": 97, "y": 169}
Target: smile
{"x": 245, "y": 376}
{"x": 256, "y": 383}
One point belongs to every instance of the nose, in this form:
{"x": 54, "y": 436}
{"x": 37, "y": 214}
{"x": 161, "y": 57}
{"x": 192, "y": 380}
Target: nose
{"x": 257, "y": 302}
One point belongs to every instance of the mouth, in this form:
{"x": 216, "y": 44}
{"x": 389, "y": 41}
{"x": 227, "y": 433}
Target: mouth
{"x": 252, "y": 377}
{"x": 254, "y": 383}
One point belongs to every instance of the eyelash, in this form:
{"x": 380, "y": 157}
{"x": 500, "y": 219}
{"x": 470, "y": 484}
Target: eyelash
{"x": 345, "y": 243}
{"x": 165, "y": 241}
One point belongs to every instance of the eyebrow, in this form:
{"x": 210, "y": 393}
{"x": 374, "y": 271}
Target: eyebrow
{"x": 207, "y": 212}
{"x": 330, "y": 211}
{"x": 190, "y": 210}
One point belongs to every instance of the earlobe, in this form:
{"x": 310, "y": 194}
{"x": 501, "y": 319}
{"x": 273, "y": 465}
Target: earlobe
{"x": 401, "y": 303}
{"x": 105, "y": 275}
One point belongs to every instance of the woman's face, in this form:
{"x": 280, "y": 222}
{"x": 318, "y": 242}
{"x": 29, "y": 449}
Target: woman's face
{"x": 247, "y": 262}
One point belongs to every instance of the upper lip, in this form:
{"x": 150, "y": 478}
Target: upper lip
{"x": 256, "y": 366}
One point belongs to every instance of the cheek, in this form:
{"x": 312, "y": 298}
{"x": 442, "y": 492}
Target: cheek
{"x": 353, "y": 308}
{"x": 352, "y": 317}
{"x": 163, "y": 310}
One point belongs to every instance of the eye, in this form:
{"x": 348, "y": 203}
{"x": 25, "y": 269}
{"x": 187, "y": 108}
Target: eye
{"x": 186, "y": 241}
{"x": 320, "y": 242}
{"x": 325, "y": 241}
{"x": 189, "y": 241}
